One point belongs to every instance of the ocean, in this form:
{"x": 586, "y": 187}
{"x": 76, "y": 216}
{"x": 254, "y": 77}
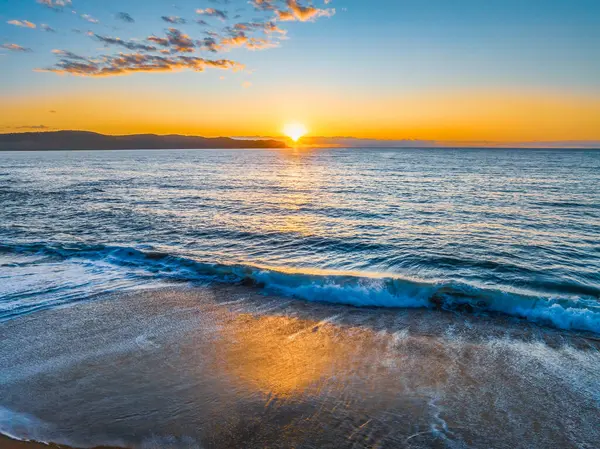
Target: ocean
{"x": 450, "y": 272}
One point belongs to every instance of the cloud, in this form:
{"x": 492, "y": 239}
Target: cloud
{"x": 47, "y": 28}
{"x": 246, "y": 84}
{"x": 177, "y": 41}
{"x": 263, "y": 5}
{"x": 125, "y": 64}
{"x": 266, "y": 27}
{"x": 124, "y": 17}
{"x": 130, "y": 45}
{"x": 210, "y": 44}
{"x": 15, "y": 47}
{"x": 298, "y": 12}
{"x": 240, "y": 35}
{"x": 212, "y": 12}
{"x": 173, "y": 19}
{"x": 180, "y": 42}
{"x": 55, "y": 4}
{"x": 89, "y": 18}
{"x": 31, "y": 127}
{"x": 169, "y": 52}
{"x": 68, "y": 55}
{"x": 162, "y": 41}
{"x": 22, "y": 23}
{"x": 240, "y": 39}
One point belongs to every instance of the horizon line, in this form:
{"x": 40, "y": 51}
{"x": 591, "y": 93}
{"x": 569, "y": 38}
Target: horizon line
{"x": 356, "y": 142}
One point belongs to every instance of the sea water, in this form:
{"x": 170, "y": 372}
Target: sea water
{"x": 511, "y": 231}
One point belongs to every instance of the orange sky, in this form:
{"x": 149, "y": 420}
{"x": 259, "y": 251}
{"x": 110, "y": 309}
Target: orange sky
{"x": 468, "y": 71}
{"x": 459, "y": 115}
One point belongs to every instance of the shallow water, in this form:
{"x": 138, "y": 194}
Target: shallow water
{"x": 225, "y": 366}
{"x": 509, "y": 231}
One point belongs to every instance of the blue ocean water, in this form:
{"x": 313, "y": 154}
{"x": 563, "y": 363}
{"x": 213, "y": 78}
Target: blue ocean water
{"x": 472, "y": 230}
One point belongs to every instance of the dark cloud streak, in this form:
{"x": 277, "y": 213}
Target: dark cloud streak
{"x": 130, "y": 45}
{"x": 124, "y": 17}
{"x": 174, "y": 20}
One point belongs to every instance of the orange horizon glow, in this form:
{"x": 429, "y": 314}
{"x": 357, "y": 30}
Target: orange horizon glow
{"x": 445, "y": 116}
{"x": 295, "y": 131}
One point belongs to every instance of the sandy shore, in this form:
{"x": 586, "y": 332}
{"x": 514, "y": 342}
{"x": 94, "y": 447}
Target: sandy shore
{"x": 223, "y": 367}
{"x": 7, "y": 443}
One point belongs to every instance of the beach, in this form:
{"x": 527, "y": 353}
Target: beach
{"x": 8, "y": 443}
{"x": 218, "y": 367}
{"x": 342, "y": 298}
{"x": 300, "y": 224}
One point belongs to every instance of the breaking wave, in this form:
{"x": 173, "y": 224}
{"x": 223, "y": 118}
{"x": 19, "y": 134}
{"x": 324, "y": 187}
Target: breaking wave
{"x": 356, "y": 289}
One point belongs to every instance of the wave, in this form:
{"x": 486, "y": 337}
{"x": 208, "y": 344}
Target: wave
{"x": 356, "y": 289}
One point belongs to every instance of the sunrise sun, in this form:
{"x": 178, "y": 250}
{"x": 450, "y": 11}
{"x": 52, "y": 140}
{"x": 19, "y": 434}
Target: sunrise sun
{"x": 294, "y": 131}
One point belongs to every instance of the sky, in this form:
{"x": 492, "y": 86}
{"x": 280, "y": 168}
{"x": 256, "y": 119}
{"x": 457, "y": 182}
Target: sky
{"x": 408, "y": 70}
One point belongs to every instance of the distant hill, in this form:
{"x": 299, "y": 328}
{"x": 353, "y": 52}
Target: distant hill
{"x": 83, "y": 140}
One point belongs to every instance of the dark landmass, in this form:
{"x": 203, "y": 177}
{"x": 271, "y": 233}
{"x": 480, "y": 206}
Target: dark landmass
{"x": 84, "y": 140}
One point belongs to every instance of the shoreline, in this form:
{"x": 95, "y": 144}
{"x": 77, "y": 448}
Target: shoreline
{"x": 9, "y": 443}
{"x": 225, "y": 366}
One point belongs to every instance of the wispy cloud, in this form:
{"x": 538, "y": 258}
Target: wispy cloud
{"x": 298, "y": 12}
{"x": 173, "y": 50}
{"x": 177, "y": 41}
{"x": 162, "y": 41}
{"x": 17, "y": 48}
{"x": 263, "y": 5}
{"x": 124, "y": 17}
{"x": 266, "y": 27}
{"x": 212, "y": 12}
{"x": 22, "y": 23}
{"x": 240, "y": 39}
{"x": 173, "y": 19}
{"x": 47, "y": 28}
{"x": 56, "y": 4}
{"x": 210, "y": 44}
{"x": 89, "y": 18}
{"x": 68, "y": 55}
{"x": 130, "y": 45}
{"x": 31, "y": 127}
{"x": 125, "y": 64}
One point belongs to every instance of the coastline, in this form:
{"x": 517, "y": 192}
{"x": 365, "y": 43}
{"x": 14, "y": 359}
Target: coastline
{"x": 9, "y": 443}
{"x": 219, "y": 367}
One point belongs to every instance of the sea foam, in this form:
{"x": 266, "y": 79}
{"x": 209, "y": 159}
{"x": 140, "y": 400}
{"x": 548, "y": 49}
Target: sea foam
{"x": 356, "y": 289}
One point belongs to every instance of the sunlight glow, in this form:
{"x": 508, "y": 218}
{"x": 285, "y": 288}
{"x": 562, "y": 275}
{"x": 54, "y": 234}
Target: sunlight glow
{"x": 295, "y": 131}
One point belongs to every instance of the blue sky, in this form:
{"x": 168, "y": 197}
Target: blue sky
{"x": 363, "y": 48}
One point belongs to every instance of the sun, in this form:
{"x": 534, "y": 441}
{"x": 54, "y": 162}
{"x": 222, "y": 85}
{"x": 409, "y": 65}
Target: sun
{"x": 295, "y": 131}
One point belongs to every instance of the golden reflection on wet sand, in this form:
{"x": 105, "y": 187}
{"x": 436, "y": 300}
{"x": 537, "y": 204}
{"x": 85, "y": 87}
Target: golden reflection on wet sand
{"x": 288, "y": 357}
{"x": 226, "y": 367}
{"x": 283, "y": 356}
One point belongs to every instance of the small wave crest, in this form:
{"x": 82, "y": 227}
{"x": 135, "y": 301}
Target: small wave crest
{"x": 362, "y": 290}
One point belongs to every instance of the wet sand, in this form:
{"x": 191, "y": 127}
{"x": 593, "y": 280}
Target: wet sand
{"x": 7, "y": 443}
{"x": 224, "y": 367}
